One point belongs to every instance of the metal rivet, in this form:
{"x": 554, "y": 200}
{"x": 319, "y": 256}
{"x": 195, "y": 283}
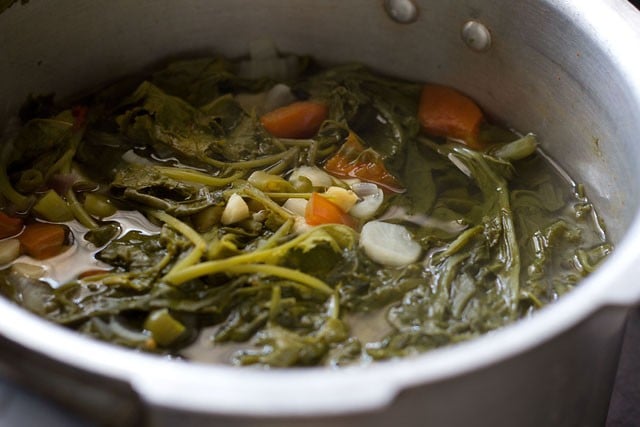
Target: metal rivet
{"x": 401, "y": 11}
{"x": 477, "y": 36}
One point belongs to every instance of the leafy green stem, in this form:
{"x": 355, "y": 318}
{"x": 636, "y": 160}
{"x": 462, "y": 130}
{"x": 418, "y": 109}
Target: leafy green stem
{"x": 198, "y": 177}
{"x": 259, "y": 196}
{"x": 21, "y": 201}
{"x": 219, "y": 266}
{"x": 199, "y": 244}
{"x": 282, "y": 272}
{"x": 79, "y": 212}
{"x": 457, "y": 244}
{"x": 280, "y": 233}
{"x": 250, "y": 164}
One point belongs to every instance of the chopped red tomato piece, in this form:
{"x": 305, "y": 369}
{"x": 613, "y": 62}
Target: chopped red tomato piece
{"x": 354, "y": 161}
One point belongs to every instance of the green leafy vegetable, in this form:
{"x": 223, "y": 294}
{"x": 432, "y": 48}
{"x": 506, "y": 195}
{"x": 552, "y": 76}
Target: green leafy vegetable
{"x": 147, "y": 173}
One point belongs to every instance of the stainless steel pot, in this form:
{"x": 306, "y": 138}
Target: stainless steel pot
{"x": 567, "y": 69}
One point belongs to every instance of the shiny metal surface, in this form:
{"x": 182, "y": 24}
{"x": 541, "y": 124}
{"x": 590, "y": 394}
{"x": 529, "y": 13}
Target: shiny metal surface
{"x": 562, "y": 68}
{"x": 476, "y": 35}
{"x": 401, "y": 11}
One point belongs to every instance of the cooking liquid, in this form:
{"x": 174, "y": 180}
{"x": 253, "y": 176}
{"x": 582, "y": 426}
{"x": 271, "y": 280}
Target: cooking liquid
{"x": 369, "y": 328}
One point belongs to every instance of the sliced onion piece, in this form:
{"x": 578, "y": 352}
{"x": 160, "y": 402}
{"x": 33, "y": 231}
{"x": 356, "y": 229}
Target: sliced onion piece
{"x": 371, "y": 198}
{"x": 278, "y": 96}
{"x": 317, "y": 176}
{"x": 389, "y": 244}
{"x": 132, "y": 158}
{"x": 296, "y": 206}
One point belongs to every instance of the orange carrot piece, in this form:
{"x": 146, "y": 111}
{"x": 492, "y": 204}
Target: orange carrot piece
{"x": 354, "y": 161}
{"x": 41, "y": 240}
{"x": 443, "y": 111}
{"x": 298, "y": 120}
{"x": 9, "y": 226}
{"x": 320, "y": 211}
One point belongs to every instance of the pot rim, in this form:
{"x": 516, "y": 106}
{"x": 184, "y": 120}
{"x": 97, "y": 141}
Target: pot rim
{"x": 224, "y": 389}
{"x": 209, "y": 388}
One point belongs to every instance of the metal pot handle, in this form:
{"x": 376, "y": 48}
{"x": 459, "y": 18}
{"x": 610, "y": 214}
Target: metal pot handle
{"x": 88, "y": 395}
